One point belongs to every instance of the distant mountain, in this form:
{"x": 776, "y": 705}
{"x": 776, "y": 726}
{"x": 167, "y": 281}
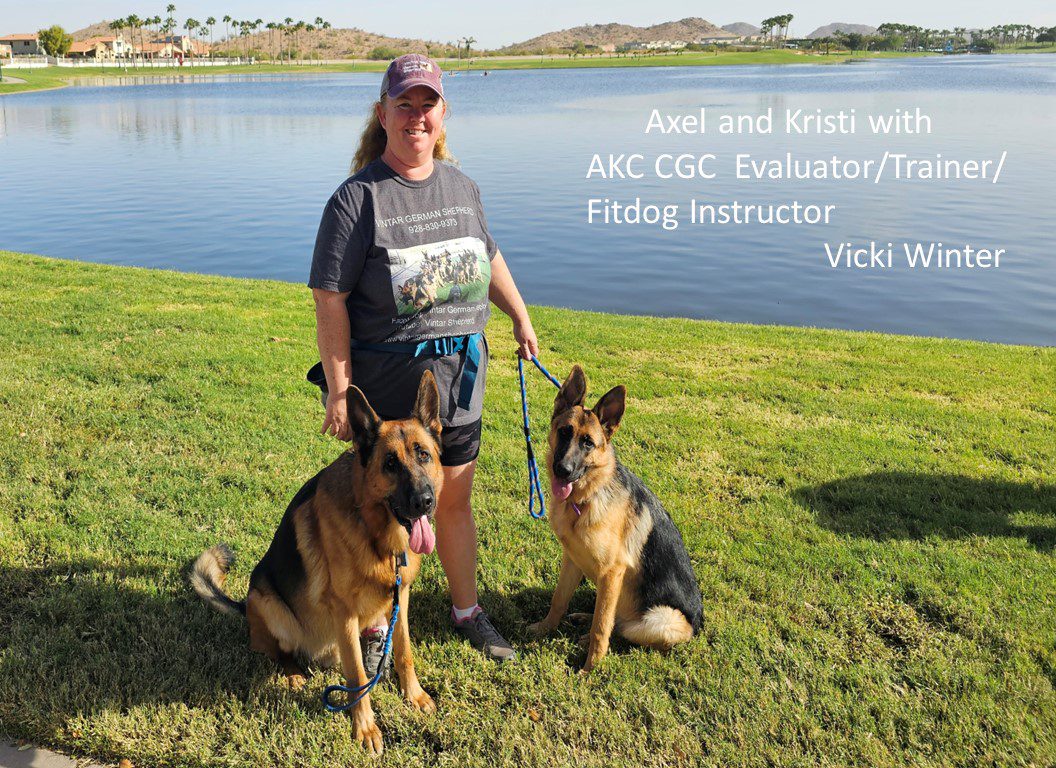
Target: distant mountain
{"x": 321, "y": 43}
{"x": 742, "y": 29}
{"x": 99, "y": 29}
{"x": 830, "y": 29}
{"x": 687, "y": 30}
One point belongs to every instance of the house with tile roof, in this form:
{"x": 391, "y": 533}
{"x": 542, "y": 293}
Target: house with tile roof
{"x": 23, "y": 45}
{"x": 100, "y": 48}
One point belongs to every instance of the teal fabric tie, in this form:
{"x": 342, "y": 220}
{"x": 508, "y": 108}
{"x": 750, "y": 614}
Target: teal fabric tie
{"x": 442, "y": 347}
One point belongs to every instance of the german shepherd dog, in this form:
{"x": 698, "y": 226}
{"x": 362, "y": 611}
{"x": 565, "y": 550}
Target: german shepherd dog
{"x": 330, "y": 570}
{"x": 614, "y": 531}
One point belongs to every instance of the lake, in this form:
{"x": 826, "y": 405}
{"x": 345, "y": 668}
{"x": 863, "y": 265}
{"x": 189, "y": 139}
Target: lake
{"x": 229, "y": 176}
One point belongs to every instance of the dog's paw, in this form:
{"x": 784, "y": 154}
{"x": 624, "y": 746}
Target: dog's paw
{"x": 422, "y": 701}
{"x": 581, "y": 618}
{"x": 295, "y": 682}
{"x": 539, "y": 629}
{"x": 585, "y": 672}
{"x": 369, "y": 736}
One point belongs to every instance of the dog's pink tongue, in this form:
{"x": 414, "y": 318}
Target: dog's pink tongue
{"x": 560, "y": 490}
{"x": 422, "y": 538}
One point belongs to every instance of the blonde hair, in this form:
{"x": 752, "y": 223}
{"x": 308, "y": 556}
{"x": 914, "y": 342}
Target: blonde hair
{"x": 372, "y": 142}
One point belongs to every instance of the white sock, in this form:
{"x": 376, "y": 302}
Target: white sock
{"x": 461, "y": 614}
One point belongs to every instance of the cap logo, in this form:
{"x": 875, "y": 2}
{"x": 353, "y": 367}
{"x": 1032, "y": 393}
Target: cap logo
{"x": 416, "y": 66}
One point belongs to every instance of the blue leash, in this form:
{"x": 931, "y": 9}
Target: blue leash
{"x": 535, "y": 488}
{"x": 360, "y": 691}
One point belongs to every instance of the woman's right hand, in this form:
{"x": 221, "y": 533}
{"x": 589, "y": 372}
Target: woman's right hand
{"x": 336, "y": 420}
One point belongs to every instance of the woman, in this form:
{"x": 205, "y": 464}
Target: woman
{"x": 401, "y": 275}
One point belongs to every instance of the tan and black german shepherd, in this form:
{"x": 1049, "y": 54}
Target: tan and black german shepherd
{"x": 330, "y": 570}
{"x": 614, "y": 531}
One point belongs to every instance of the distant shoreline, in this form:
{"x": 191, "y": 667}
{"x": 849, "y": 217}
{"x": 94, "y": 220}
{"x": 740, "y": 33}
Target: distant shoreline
{"x": 50, "y": 78}
{"x": 59, "y": 77}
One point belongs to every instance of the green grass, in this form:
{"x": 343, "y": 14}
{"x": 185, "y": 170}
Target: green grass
{"x": 57, "y": 77}
{"x": 871, "y": 518}
{"x": 1028, "y": 48}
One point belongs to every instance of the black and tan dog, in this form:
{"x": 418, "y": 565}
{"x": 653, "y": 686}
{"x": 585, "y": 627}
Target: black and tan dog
{"x": 330, "y": 570}
{"x": 614, "y": 531}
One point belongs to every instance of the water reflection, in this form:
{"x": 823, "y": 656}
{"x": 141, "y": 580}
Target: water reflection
{"x": 228, "y": 174}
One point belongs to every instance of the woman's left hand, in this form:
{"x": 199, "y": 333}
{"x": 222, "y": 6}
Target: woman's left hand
{"x": 524, "y": 335}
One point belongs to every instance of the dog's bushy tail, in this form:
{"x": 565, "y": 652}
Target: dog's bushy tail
{"x": 208, "y": 575}
{"x": 660, "y": 627}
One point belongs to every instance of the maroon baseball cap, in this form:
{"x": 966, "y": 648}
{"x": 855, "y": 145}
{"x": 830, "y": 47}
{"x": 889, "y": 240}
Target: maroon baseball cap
{"x": 410, "y": 70}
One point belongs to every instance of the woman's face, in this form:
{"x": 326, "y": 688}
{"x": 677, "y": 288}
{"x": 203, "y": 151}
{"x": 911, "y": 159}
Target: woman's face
{"x": 412, "y": 123}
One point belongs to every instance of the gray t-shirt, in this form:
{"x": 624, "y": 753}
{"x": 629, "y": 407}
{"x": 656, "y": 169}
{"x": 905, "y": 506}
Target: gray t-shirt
{"x": 415, "y": 257}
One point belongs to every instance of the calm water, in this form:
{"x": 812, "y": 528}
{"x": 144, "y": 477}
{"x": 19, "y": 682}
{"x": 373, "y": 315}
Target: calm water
{"x": 229, "y": 176}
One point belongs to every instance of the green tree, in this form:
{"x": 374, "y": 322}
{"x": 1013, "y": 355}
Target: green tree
{"x": 383, "y": 53}
{"x": 54, "y": 40}
{"x": 853, "y": 41}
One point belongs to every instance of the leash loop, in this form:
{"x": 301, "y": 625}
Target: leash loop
{"x": 362, "y": 690}
{"x": 535, "y": 488}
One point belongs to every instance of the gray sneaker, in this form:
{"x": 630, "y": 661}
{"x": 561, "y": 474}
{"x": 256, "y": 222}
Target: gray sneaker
{"x": 483, "y": 636}
{"x": 372, "y": 643}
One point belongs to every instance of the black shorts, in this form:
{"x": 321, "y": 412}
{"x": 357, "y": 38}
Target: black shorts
{"x": 460, "y": 445}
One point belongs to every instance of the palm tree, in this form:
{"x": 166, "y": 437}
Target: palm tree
{"x": 243, "y": 32}
{"x": 133, "y": 21}
{"x": 190, "y": 25}
{"x": 270, "y": 26}
{"x": 765, "y": 27}
{"x": 287, "y": 30}
{"x": 227, "y": 29}
{"x": 115, "y": 26}
{"x": 170, "y": 21}
{"x": 210, "y": 23}
{"x": 297, "y": 38}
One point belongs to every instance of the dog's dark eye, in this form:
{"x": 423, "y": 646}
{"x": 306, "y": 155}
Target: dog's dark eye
{"x": 587, "y": 443}
{"x": 423, "y": 455}
{"x": 391, "y": 462}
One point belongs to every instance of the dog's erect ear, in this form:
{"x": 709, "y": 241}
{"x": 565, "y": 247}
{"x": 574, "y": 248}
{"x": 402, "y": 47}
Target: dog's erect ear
{"x": 364, "y": 422}
{"x": 427, "y": 405}
{"x": 572, "y": 392}
{"x": 609, "y": 409}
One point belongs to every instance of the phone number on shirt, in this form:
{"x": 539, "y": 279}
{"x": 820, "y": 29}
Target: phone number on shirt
{"x": 419, "y": 228}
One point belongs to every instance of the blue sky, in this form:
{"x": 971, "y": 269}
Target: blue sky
{"x": 495, "y": 24}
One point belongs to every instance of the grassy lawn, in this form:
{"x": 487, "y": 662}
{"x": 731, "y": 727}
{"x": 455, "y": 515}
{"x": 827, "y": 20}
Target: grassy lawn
{"x": 872, "y": 520}
{"x": 57, "y": 77}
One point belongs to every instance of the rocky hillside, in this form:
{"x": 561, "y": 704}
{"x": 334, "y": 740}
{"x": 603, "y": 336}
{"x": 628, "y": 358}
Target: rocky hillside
{"x": 830, "y": 29}
{"x": 741, "y": 29}
{"x": 689, "y": 29}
